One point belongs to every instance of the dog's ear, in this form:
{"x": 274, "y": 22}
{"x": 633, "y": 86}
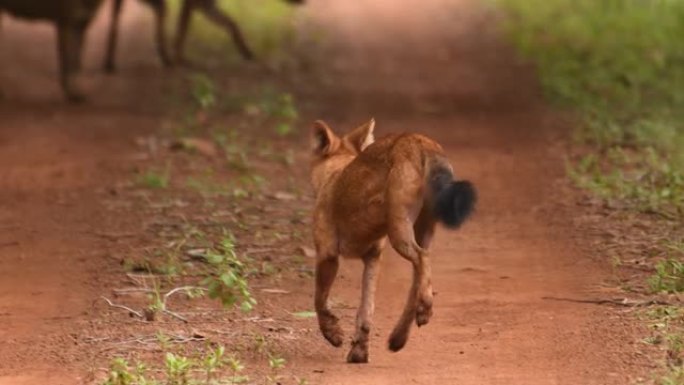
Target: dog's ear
{"x": 362, "y": 136}
{"x": 323, "y": 140}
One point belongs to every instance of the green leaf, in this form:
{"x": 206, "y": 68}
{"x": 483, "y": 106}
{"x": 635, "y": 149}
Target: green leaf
{"x": 304, "y": 314}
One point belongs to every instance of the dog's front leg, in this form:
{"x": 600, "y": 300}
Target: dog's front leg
{"x": 371, "y": 261}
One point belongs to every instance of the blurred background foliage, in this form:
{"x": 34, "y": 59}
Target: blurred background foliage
{"x": 620, "y": 63}
{"x": 269, "y": 28}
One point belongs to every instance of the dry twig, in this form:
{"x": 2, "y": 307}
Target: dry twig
{"x": 112, "y": 304}
{"x": 625, "y": 302}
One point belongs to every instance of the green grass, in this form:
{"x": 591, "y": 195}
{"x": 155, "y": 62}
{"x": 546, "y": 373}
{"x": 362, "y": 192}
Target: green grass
{"x": 268, "y": 27}
{"x": 620, "y": 64}
{"x": 210, "y": 367}
{"x": 669, "y": 273}
{"x": 153, "y": 179}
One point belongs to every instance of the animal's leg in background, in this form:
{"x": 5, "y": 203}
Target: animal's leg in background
{"x": 77, "y": 54}
{"x": 187, "y": 6}
{"x": 424, "y": 229}
{"x": 2, "y": 95}
{"x": 68, "y": 43}
{"x": 112, "y": 37}
{"x": 326, "y": 271}
{"x": 159, "y": 7}
{"x": 212, "y": 11}
{"x": 359, "y": 349}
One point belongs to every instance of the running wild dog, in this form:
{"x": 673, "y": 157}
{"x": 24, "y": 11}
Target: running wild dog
{"x": 397, "y": 187}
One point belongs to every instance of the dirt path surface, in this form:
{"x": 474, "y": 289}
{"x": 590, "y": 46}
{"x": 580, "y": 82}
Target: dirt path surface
{"x": 430, "y": 66}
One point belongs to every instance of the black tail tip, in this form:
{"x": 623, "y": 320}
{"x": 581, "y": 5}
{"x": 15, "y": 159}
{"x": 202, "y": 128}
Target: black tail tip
{"x": 455, "y": 203}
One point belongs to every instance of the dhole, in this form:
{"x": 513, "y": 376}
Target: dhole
{"x": 397, "y": 187}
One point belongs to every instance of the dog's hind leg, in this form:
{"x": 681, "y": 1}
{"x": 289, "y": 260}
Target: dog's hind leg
{"x": 424, "y": 229}
{"x": 326, "y": 271}
{"x": 405, "y": 200}
{"x": 359, "y": 349}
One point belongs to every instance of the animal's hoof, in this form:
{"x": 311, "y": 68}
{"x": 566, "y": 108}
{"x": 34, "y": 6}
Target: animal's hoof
{"x": 424, "y": 309}
{"x": 397, "y": 341}
{"x": 334, "y": 335}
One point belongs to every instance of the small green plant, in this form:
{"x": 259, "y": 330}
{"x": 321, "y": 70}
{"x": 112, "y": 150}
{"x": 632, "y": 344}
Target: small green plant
{"x": 212, "y": 362}
{"x": 669, "y": 277}
{"x": 177, "y": 369}
{"x": 156, "y": 299}
{"x": 163, "y": 339}
{"x": 121, "y": 373}
{"x": 675, "y": 343}
{"x": 275, "y": 362}
{"x": 203, "y": 91}
{"x": 228, "y": 280}
{"x": 204, "y": 369}
{"x": 236, "y": 367}
{"x": 674, "y": 376}
{"x": 153, "y": 179}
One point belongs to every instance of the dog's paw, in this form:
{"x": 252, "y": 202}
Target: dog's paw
{"x": 334, "y": 334}
{"x": 397, "y": 341}
{"x": 424, "y": 308}
{"x": 423, "y": 313}
{"x": 358, "y": 354}
{"x": 329, "y": 326}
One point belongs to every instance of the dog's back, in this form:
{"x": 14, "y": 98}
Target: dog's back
{"x": 396, "y": 170}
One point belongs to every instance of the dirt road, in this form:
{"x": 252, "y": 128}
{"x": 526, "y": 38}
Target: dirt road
{"x": 430, "y": 66}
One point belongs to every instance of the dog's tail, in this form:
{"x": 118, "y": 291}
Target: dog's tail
{"x": 452, "y": 201}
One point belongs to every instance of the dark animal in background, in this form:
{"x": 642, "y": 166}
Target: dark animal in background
{"x": 71, "y": 18}
{"x": 208, "y": 7}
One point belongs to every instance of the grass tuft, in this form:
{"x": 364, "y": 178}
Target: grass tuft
{"x": 620, "y": 64}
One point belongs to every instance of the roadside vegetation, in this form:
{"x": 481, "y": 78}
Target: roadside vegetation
{"x": 268, "y": 26}
{"x": 619, "y": 65}
{"x": 221, "y": 234}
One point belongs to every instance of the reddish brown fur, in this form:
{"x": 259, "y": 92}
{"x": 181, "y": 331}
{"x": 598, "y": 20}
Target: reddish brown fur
{"x": 366, "y": 193}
